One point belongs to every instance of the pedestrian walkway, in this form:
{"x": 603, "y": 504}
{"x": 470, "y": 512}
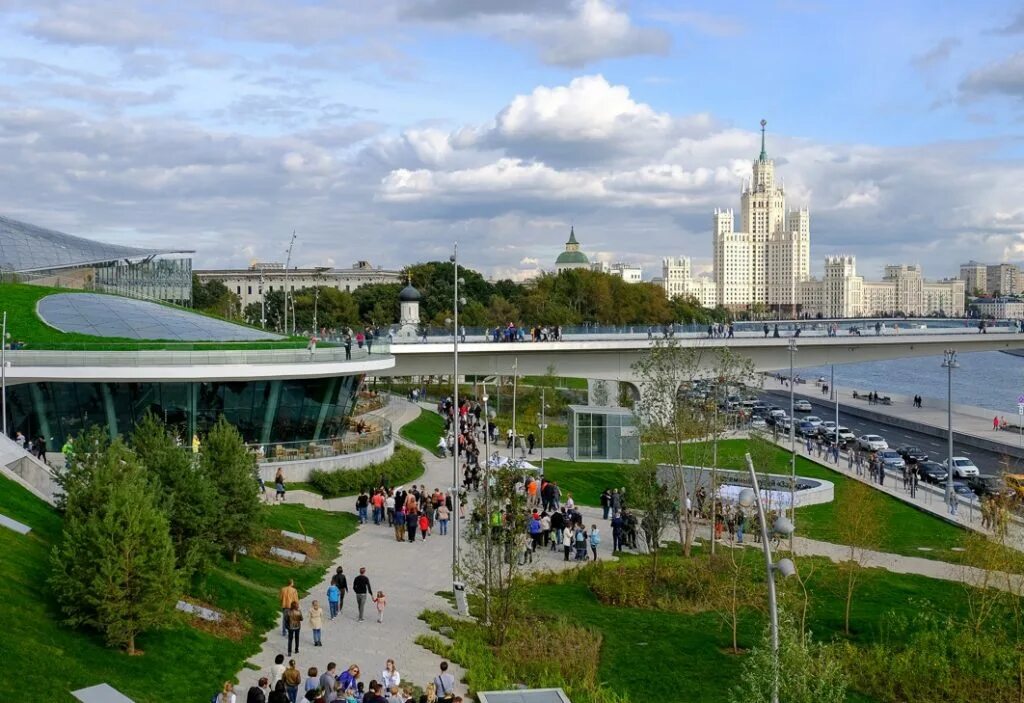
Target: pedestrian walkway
{"x": 410, "y": 575}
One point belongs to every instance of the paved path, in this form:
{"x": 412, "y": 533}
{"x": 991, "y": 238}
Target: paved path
{"x": 409, "y": 574}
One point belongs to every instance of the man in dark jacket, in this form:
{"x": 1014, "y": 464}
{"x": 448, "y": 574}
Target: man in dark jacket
{"x": 341, "y": 582}
{"x": 258, "y": 693}
{"x": 361, "y": 587}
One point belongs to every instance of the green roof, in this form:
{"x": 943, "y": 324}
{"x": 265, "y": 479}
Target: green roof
{"x": 572, "y": 257}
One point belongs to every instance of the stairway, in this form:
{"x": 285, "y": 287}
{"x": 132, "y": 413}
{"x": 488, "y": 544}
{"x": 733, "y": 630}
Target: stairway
{"x": 24, "y": 469}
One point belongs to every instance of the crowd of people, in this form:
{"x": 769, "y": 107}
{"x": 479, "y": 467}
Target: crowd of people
{"x": 408, "y": 511}
{"x": 285, "y": 683}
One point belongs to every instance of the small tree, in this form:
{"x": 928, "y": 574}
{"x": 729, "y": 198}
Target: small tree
{"x": 649, "y": 496}
{"x": 858, "y": 526}
{"x": 114, "y": 567}
{"x": 807, "y": 672}
{"x": 90, "y": 449}
{"x": 733, "y": 591}
{"x": 227, "y": 463}
{"x": 188, "y": 495}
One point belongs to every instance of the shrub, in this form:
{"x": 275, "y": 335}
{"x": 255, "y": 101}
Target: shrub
{"x": 401, "y": 467}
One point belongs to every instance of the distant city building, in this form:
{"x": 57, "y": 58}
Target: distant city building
{"x": 975, "y": 277}
{"x": 677, "y": 280}
{"x": 572, "y": 257}
{"x": 630, "y": 273}
{"x": 765, "y": 260}
{"x": 1002, "y": 279}
{"x": 248, "y": 284}
{"x": 999, "y": 308}
{"x": 902, "y": 290}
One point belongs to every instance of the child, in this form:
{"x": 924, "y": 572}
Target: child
{"x": 424, "y": 525}
{"x": 333, "y": 600}
{"x": 316, "y": 621}
{"x": 380, "y": 601}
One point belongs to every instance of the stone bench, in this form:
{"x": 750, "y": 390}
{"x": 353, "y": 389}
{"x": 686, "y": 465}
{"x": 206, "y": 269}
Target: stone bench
{"x": 199, "y": 611}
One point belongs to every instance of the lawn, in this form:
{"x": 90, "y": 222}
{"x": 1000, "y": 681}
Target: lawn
{"x": 908, "y": 527}
{"x": 24, "y": 325}
{"x": 181, "y": 662}
{"x": 424, "y": 431}
{"x": 576, "y": 384}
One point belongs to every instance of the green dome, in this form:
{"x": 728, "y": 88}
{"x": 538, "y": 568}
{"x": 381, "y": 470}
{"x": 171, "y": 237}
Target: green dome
{"x": 572, "y": 257}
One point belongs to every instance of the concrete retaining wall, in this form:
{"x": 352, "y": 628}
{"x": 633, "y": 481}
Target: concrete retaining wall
{"x": 299, "y": 470}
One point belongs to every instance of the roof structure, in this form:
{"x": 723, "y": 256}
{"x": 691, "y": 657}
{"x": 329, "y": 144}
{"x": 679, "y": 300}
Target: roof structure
{"x": 26, "y": 248}
{"x": 572, "y": 253}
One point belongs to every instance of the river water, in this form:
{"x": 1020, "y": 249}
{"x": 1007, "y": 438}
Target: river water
{"x": 992, "y": 380}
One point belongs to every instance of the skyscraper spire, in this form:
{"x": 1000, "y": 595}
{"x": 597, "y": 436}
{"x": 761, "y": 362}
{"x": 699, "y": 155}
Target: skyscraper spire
{"x": 764, "y": 154}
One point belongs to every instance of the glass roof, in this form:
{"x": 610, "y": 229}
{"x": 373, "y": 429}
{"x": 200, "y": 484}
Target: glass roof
{"x": 113, "y": 316}
{"x": 25, "y": 247}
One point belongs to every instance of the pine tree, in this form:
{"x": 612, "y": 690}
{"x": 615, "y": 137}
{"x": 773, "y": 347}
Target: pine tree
{"x": 189, "y": 496}
{"x": 226, "y": 460}
{"x": 114, "y": 568}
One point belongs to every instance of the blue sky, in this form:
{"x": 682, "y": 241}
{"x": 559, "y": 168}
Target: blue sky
{"x": 385, "y": 131}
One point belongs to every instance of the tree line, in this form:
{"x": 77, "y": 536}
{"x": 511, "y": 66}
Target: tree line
{"x": 573, "y": 297}
{"x": 142, "y": 516}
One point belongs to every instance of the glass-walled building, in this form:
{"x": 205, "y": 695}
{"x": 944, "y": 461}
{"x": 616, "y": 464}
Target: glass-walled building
{"x": 31, "y": 254}
{"x": 264, "y": 411}
{"x": 599, "y": 432}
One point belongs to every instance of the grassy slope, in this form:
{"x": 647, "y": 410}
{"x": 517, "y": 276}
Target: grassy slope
{"x": 19, "y": 300}
{"x": 640, "y": 646}
{"x": 908, "y": 528}
{"x": 180, "y": 663}
{"x": 424, "y": 431}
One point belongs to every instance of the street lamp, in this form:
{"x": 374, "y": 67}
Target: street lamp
{"x": 458, "y": 588}
{"x": 3, "y": 374}
{"x": 543, "y": 426}
{"x": 949, "y": 363}
{"x": 792, "y": 441}
{"x": 782, "y": 527}
{"x": 487, "y": 511}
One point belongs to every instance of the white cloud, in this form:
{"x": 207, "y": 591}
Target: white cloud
{"x": 863, "y": 195}
{"x": 1003, "y": 77}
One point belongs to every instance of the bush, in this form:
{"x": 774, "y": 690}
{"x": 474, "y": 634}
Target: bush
{"x": 403, "y": 466}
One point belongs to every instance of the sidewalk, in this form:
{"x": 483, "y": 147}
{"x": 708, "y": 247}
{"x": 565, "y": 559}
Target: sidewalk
{"x": 409, "y": 574}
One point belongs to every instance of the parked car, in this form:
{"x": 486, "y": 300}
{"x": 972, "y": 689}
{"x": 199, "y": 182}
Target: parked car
{"x": 784, "y": 423}
{"x": 931, "y": 471}
{"x": 806, "y": 429}
{"x": 962, "y": 467}
{"x": 758, "y": 423}
{"x": 814, "y": 420}
{"x": 891, "y": 459}
{"x": 802, "y": 406}
{"x": 983, "y": 485}
{"x": 827, "y": 429}
{"x": 872, "y": 442}
{"x": 912, "y": 455}
{"x": 845, "y": 436}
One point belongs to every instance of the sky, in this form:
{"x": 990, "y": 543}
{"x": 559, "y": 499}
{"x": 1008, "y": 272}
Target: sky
{"x": 389, "y": 130}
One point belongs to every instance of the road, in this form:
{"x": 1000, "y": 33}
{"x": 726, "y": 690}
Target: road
{"x": 987, "y": 461}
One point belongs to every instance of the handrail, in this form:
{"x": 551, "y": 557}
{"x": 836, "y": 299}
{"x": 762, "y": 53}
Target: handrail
{"x": 187, "y": 357}
{"x": 378, "y": 434}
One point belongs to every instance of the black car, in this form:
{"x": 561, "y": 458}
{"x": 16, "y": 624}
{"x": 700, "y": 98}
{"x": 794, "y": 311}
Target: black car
{"x": 931, "y": 471}
{"x": 963, "y": 490}
{"x": 986, "y": 485}
{"x": 912, "y": 455}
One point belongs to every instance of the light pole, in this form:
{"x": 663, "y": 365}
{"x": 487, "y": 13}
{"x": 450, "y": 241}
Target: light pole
{"x": 783, "y": 527}
{"x": 263, "y": 302}
{"x": 458, "y": 588}
{"x": 792, "y": 442}
{"x": 287, "y": 281}
{"x": 543, "y": 426}
{"x": 835, "y": 397}
{"x": 515, "y": 431}
{"x": 949, "y": 363}
{"x": 487, "y": 511}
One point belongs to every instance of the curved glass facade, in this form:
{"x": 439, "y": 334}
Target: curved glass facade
{"x": 264, "y": 411}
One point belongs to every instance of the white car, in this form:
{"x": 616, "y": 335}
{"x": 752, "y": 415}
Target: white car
{"x": 845, "y": 435}
{"x": 872, "y": 442}
{"x": 802, "y": 406}
{"x": 962, "y": 467}
{"x": 827, "y": 429}
{"x": 814, "y": 420}
{"x": 758, "y": 423}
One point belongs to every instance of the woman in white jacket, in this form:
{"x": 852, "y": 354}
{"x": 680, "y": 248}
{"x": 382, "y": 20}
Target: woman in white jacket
{"x": 567, "y": 535}
{"x": 390, "y": 676}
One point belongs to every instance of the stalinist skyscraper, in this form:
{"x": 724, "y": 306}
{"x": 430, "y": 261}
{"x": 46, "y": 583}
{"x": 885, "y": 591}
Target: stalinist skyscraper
{"x": 765, "y": 260}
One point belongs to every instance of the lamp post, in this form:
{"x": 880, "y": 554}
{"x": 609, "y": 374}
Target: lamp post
{"x": 792, "y": 442}
{"x": 949, "y": 363}
{"x": 783, "y": 527}
{"x": 543, "y": 426}
{"x": 515, "y": 431}
{"x": 487, "y": 511}
{"x": 458, "y": 588}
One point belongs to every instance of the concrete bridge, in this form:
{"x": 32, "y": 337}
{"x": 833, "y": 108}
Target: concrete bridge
{"x": 613, "y": 359}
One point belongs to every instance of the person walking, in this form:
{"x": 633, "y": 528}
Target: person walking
{"x": 443, "y": 515}
{"x": 381, "y": 602}
{"x": 361, "y": 587}
{"x": 445, "y": 684}
{"x": 294, "y": 626}
{"x": 595, "y": 539}
{"x": 333, "y": 599}
{"x": 606, "y": 503}
{"x": 390, "y": 678}
{"x": 329, "y": 683}
{"x": 316, "y": 621}
{"x": 292, "y": 679}
{"x": 258, "y": 693}
{"x": 288, "y": 596}
{"x": 567, "y": 536}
